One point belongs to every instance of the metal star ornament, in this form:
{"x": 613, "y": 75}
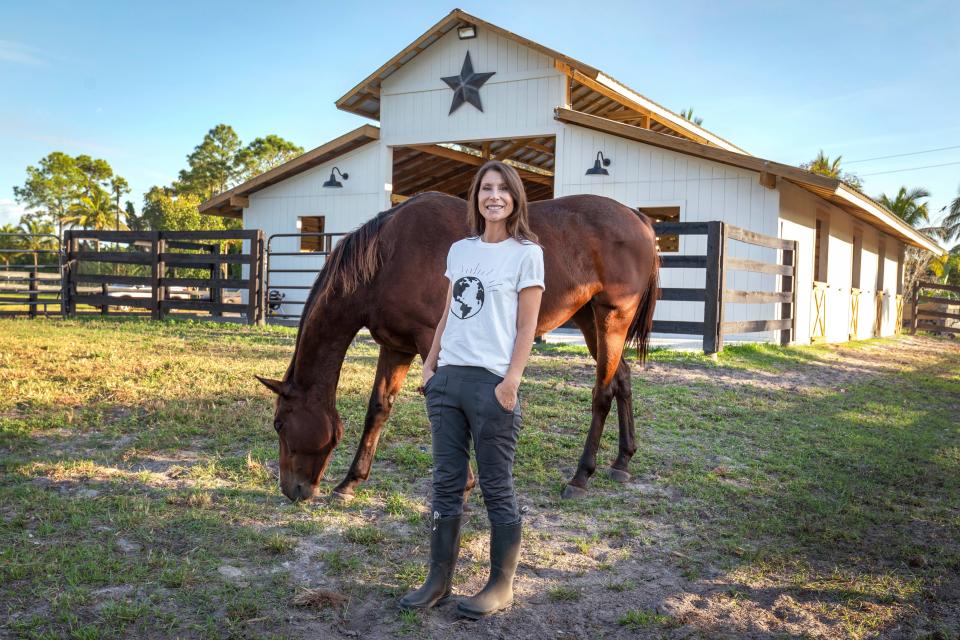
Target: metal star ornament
{"x": 466, "y": 86}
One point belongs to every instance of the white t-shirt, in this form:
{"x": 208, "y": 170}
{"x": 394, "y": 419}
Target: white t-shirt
{"x": 487, "y": 277}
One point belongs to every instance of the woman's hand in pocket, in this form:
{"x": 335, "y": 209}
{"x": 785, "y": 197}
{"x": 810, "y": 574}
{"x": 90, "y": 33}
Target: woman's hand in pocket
{"x": 427, "y": 374}
{"x": 506, "y": 393}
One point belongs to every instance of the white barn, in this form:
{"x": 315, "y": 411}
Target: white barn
{"x": 551, "y": 116}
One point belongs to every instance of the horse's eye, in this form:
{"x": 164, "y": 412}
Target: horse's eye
{"x": 277, "y": 425}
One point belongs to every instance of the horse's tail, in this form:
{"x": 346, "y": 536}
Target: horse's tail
{"x": 642, "y": 325}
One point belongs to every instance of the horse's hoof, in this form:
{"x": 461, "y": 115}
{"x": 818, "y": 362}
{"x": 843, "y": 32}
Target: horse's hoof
{"x": 571, "y": 492}
{"x": 618, "y": 475}
{"x": 343, "y": 498}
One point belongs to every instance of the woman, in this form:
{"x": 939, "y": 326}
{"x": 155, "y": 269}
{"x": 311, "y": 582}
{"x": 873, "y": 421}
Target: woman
{"x": 471, "y": 379}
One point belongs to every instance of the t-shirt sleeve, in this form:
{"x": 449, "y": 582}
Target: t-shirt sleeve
{"x": 531, "y": 269}
{"x": 448, "y": 274}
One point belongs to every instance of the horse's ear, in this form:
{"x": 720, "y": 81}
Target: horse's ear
{"x": 274, "y": 385}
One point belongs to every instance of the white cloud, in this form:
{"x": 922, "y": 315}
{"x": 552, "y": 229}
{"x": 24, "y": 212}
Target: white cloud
{"x": 21, "y": 54}
{"x": 10, "y": 212}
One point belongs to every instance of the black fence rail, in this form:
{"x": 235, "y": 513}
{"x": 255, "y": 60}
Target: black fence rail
{"x": 717, "y": 263}
{"x": 281, "y": 294}
{"x": 31, "y": 280}
{"x": 156, "y": 273}
{"x": 937, "y": 313}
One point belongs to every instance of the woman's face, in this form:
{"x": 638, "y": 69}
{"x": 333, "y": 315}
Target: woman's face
{"x": 494, "y": 199}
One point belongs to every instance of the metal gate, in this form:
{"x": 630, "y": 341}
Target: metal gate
{"x": 290, "y": 273}
{"x": 34, "y": 287}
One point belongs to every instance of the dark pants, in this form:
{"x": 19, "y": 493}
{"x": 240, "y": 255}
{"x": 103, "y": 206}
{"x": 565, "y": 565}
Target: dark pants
{"x": 462, "y": 407}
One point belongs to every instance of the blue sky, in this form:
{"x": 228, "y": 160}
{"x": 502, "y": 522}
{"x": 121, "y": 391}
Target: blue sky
{"x": 139, "y": 84}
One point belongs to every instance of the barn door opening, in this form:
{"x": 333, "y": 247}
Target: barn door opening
{"x": 449, "y": 167}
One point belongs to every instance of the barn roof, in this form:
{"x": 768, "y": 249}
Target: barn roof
{"x": 587, "y": 83}
{"x": 230, "y": 203}
{"x": 830, "y": 189}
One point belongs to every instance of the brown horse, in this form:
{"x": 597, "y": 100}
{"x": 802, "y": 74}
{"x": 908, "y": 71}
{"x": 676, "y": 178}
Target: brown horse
{"x": 601, "y": 270}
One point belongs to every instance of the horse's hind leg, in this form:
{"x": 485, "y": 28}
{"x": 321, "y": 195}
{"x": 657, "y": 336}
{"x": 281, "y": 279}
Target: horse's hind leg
{"x": 612, "y": 321}
{"x": 392, "y": 368}
{"x": 622, "y": 391}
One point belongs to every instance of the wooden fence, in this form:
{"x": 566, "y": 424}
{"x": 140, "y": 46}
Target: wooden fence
{"x": 717, "y": 263}
{"x": 32, "y": 288}
{"x": 152, "y": 260}
{"x": 937, "y": 320}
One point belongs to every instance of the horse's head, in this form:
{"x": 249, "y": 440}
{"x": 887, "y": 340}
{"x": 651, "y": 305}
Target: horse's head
{"x": 309, "y": 432}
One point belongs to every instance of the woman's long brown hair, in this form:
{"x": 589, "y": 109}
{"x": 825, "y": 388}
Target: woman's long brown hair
{"x": 518, "y": 224}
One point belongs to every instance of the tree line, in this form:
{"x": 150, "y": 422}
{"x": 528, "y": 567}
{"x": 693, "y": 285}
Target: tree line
{"x": 64, "y": 191}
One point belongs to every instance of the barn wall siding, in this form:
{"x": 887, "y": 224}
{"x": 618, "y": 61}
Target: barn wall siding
{"x": 276, "y": 209}
{"x": 517, "y": 101}
{"x": 642, "y": 175}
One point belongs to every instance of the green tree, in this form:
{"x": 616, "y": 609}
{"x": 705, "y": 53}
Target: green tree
{"x": 264, "y": 154}
{"x": 92, "y": 212}
{"x": 36, "y": 236}
{"x": 213, "y": 165}
{"x": 907, "y": 205}
{"x": 951, "y": 223}
{"x": 687, "y": 114}
{"x": 118, "y": 188}
{"x": 9, "y": 241}
{"x": 95, "y": 174}
{"x": 165, "y": 211}
{"x": 824, "y": 166}
{"x": 51, "y": 187}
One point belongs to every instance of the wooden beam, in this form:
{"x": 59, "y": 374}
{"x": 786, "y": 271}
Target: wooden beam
{"x": 475, "y": 161}
{"x": 396, "y": 198}
{"x": 485, "y": 153}
{"x": 627, "y": 102}
{"x": 241, "y": 202}
{"x": 768, "y": 180}
{"x": 542, "y": 148}
{"x": 511, "y": 149}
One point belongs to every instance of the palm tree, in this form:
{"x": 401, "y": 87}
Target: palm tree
{"x": 687, "y": 114}
{"x": 94, "y": 211}
{"x": 8, "y": 241}
{"x": 824, "y": 166}
{"x": 37, "y": 237}
{"x": 951, "y": 224}
{"x": 907, "y": 206}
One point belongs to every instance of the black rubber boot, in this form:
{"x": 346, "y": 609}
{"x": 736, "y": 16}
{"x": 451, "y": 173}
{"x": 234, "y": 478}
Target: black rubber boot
{"x": 504, "y": 556}
{"x": 444, "y": 549}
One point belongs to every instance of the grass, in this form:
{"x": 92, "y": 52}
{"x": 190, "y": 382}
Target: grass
{"x": 137, "y": 458}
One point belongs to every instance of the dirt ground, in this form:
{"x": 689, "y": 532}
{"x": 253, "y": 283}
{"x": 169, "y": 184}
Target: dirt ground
{"x": 563, "y": 592}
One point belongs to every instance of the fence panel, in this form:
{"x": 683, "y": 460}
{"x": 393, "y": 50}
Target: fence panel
{"x": 718, "y": 262}
{"x": 938, "y": 313}
{"x": 34, "y": 286}
{"x": 287, "y": 294}
{"x": 147, "y": 276}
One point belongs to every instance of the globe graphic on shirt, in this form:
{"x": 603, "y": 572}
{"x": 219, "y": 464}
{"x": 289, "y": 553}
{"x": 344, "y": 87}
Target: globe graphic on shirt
{"x": 467, "y": 297}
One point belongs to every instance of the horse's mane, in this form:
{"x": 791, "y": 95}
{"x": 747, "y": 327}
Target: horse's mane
{"x": 354, "y": 262}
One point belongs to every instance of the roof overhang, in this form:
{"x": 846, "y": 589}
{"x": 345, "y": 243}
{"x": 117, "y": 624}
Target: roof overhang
{"x": 364, "y": 99}
{"x": 830, "y": 189}
{"x": 231, "y": 203}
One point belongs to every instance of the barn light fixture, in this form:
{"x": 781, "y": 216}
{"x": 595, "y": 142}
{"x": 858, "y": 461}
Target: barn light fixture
{"x": 333, "y": 182}
{"x": 467, "y": 31}
{"x": 597, "y": 169}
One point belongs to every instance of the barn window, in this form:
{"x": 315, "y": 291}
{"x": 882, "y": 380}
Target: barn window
{"x": 311, "y": 224}
{"x": 666, "y": 244}
{"x": 821, "y": 250}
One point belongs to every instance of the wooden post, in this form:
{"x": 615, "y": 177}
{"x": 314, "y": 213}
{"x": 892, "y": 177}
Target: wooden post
{"x": 254, "y": 288}
{"x": 33, "y": 294}
{"x": 721, "y": 284}
{"x": 788, "y": 309}
{"x": 713, "y": 296}
{"x": 157, "y": 272}
{"x": 69, "y": 278}
{"x": 216, "y": 293}
{"x": 104, "y": 291}
{"x": 915, "y": 303}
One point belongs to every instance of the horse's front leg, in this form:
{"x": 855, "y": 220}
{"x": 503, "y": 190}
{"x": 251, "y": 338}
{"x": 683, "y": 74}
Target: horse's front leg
{"x": 392, "y": 367}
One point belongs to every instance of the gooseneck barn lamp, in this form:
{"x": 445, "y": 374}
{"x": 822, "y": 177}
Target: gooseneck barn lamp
{"x": 597, "y": 169}
{"x": 333, "y": 182}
